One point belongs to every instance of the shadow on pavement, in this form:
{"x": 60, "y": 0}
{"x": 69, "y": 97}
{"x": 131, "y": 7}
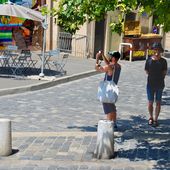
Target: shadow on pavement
{"x": 27, "y": 72}
{"x": 168, "y": 71}
{"x": 166, "y": 97}
{"x": 14, "y": 151}
{"x": 84, "y": 128}
{"x": 140, "y": 142}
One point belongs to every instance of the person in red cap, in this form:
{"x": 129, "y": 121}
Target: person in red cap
{"x": 156, "y": 69}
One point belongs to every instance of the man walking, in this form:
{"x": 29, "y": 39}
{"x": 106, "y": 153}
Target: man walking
{"x": 156, "y": 68}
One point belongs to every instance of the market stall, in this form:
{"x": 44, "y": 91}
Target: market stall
{"x": 140, "y": 43}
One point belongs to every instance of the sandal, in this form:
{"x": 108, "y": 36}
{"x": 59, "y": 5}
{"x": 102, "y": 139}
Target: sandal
{"x": 156, "y": 123}
{"x": 150, "y": 122}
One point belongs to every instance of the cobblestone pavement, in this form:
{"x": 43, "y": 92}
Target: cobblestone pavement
{"x": 55, "y": 128}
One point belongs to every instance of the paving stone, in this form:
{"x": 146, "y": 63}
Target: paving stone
{"x": 28, "y": 168}
{"x": 41, "y": 168}
{"x": 82, "y": 167}
{"x": 53, "y": 167}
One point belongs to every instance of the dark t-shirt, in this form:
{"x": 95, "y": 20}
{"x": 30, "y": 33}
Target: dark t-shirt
{"x": 156, "y": 70}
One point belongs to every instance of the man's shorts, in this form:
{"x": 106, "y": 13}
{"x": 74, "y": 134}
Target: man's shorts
{"x": 154, "y": 94}
{"x": 109, "y": 107}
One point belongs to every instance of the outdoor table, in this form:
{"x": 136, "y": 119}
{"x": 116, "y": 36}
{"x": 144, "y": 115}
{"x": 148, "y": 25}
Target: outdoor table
{"x": 47, "y": 58}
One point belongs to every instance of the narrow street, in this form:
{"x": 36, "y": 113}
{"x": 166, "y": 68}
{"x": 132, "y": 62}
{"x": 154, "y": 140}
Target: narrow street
{"x": 55, "y": 128}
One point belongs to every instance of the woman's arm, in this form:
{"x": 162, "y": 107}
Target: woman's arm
{"x": 98, "y": 66}
{"x": 105, "y": 59}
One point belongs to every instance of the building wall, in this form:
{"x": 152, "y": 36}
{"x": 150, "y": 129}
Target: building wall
{"x": 53, "y": 29}
{"x": 111, "y": 42}
{"x": 86, "y": 34}
{"x": 112, "y": 39}
{"x": 79, "y": 43}
{"x": 90, "y": 39}
{"x": 167, "y": 41}
{"x": 167, "y": 44}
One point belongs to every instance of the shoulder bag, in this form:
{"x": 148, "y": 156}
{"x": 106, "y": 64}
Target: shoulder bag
{"x": 108, "y": 91}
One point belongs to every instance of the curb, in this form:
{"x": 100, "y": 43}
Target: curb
{"x": 56, "y": 134}
{"x": 48, "y": 84}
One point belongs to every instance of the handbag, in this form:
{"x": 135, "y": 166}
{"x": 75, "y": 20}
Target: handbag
{"x": 108, "y": 91}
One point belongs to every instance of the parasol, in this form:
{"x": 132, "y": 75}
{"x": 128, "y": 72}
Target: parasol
{"x": 10, "y": 9}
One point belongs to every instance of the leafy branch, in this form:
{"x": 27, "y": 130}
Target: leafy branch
{"x": 71, "y": 14}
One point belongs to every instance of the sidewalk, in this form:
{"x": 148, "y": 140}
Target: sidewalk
{"x": 76, "y": 68}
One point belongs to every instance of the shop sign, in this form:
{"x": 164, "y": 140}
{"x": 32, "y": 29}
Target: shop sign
{"x": 138, "y": 53}
{"x": 151, "y": 52}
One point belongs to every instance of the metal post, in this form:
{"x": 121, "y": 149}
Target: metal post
{"x": 105, "y": 140}
{"x": 5, "y": 137}
{"x": 44, "y": 46}
{"x": 129, "y": 44}
{"x": 75, "y": 45}
{"x": 147, "y": 51}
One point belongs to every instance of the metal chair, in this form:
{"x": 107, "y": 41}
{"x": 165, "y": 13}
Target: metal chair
{"x": 4, "y": 59}
{"x": 7, "y": 57}
{"x": 49, "y": 57}
{"x": 60, "y": 63}
{"x": 53, "y": 56}
{"x": 7, "y": 54}
{"x": 24, "y": 62}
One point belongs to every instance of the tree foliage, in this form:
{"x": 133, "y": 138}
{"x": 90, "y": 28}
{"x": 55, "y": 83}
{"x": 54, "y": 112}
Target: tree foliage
{"x": 160, "y": 9}
{"x": 71, "y": 14}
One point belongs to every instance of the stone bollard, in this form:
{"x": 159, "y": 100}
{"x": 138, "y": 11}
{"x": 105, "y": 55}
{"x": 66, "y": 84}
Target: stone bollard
{"x": 105, "y": 140}
{"x": 5, "y": 137}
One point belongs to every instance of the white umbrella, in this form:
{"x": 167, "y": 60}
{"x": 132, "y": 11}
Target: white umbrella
{"x": 10, "y": 9}
{"x": 20, "y": 11}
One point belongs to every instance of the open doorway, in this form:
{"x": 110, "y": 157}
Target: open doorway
{"x": 99, "y": 36}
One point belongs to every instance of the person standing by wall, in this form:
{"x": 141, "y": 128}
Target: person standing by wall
{"x": 111, "y": 65}
{"x": 156, "y": 69}
{"x": 28, "y": 27}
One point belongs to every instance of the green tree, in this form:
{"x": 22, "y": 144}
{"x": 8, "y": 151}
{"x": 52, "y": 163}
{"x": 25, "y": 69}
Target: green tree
{"x": 160, "y": 9}
{"x": 71, "y": 14}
